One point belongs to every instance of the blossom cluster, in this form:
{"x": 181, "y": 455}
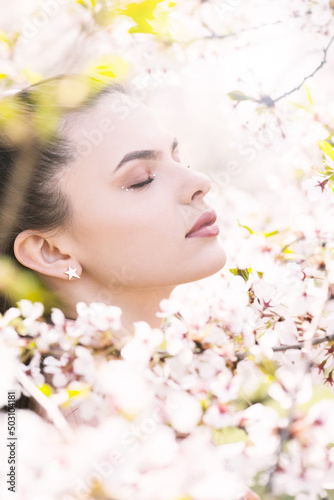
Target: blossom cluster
{"x": 232, "y": 394}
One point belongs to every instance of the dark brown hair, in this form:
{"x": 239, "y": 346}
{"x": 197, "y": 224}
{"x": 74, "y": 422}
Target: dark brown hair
{"x": 34, "y": 153}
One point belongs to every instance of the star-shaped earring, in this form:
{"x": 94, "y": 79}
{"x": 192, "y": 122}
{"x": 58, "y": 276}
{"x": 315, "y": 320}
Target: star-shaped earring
{"x": 72, "y": 273}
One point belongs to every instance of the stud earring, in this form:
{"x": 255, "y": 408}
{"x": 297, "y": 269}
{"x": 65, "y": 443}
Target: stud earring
{"x": 72, "y": 273}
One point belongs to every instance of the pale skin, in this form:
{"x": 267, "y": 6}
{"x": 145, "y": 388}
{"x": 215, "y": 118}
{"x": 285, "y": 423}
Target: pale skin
{"x": 128, "y": 246}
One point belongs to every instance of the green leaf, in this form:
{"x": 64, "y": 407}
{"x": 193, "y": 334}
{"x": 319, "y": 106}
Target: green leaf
{"x": 244, "y": 273}
{"x": 107, "y": 67}
{"x": 31, "y": 75}
{"x": 140, "y": 13}
{"x": 46, "y": 390}
{"x": 105, "y": 70}
{"x": 75, "y": 389}
{"x": 308, "y": 93}
{"x": 229, "y": 435}
{"x": 237, "y": 95}
{"x": 267, "y": 366}
{"x": 267, "y": 235}
{"x": 246, "y": 227}
{"x": 327, "y": 149}
{"x": 72, "y": 394}
{"x": 4, "y": 37}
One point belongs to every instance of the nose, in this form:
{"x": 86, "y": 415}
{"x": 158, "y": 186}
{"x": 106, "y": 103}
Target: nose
{"x": 194, "y": 186}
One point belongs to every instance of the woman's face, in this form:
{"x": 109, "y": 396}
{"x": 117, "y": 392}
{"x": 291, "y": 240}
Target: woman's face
{"x": 134, "y": 202}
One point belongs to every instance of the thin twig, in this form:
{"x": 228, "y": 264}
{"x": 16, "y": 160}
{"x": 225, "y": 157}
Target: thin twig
{"x": 313, "y": 327}
{"x": 214, "y": 36}
{"x": 284, "y": 435}
{"x": 322, "y": 63}
{"x": 320, "y": 340}
{"x": 267, "y": 99}
{"x": 51, "y": 409}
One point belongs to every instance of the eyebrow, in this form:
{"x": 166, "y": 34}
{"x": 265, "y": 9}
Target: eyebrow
{"x": 144, "y": 154}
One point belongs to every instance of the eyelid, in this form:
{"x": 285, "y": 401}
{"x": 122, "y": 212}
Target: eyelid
{"x": 150, "y": 179}
{"x": 140, "y": 185}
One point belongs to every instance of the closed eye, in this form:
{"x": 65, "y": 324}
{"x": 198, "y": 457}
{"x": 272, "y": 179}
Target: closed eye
{"x": 142, "y": 184}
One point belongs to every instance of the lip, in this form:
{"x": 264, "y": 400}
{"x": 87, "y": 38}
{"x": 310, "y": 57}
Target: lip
{"x": 205, "y": 226}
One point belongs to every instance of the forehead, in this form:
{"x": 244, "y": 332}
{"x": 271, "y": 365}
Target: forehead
{"x": 118, "y": 120}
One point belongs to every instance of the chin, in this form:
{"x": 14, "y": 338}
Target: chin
{"x": 209, "y": 264}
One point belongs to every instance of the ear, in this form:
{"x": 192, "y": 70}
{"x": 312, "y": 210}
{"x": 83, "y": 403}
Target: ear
{"x": 39, "y": 253}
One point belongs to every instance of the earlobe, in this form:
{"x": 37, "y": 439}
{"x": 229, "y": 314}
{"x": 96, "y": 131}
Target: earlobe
{"x": 40, "y": 254}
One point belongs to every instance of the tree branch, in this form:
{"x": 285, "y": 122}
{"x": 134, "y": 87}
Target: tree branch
{"x": 322, "y": 63}
{"x": 214, "y": 36}
{"x": 51, "y": 409}
{"x": 320, "y": 340}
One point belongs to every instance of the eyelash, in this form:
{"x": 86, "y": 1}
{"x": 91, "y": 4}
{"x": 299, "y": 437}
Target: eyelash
{"x": 144, "y": 183}
{"x": 140, "y": 184}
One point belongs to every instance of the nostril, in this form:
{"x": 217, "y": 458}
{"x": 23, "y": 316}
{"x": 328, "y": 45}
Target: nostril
{"x": 197, "y": 193}
{"x": 195, "y": 184}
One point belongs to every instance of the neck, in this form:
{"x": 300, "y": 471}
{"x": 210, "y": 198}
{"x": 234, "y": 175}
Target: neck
{"x": 136, "y": 304}
{"x": 142, "y": 306}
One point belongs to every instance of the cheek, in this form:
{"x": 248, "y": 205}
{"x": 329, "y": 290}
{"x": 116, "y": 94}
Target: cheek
{"x": 147, "y": 219}
{"x": 129, "y": 228}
